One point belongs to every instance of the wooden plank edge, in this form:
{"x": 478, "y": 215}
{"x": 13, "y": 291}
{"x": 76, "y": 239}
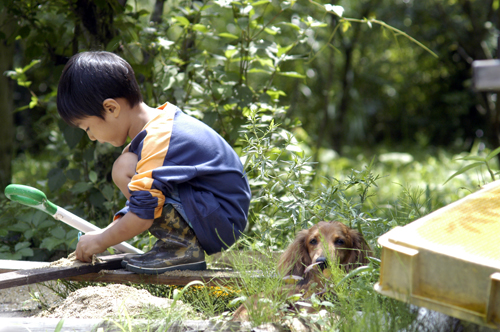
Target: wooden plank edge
{"x": 173, "y": 279}
{"x": 11, "y": 265}
{"x": 26, "y": 277}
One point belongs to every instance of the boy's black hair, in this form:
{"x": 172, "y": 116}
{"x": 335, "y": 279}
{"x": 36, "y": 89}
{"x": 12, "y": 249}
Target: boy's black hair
{"x": 88, "y": 79}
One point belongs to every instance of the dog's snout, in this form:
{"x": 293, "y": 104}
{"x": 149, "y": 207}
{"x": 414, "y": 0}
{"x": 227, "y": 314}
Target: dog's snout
{"x": 321, "y": 262}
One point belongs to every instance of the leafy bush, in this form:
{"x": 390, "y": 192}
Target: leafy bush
{"x": 233, "y": 77}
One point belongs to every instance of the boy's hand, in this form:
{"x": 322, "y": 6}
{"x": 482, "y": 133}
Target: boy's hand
{"x": 88, "y": 245}
{"x": 119, "y": 230}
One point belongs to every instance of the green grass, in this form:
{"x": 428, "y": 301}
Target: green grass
{"x": 406, "y": 189}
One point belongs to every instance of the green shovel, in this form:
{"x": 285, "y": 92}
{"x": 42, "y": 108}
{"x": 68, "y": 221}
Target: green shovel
{"x": 35, "y": 198}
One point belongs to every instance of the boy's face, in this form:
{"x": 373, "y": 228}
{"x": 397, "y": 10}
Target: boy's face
{"x": 104, "y": 131}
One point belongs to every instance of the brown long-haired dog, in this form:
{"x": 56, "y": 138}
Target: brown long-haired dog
{"x": 326, "y": 241}
{"x": 308, "y": 255}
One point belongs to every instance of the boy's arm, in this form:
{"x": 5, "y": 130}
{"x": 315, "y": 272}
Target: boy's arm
{"x": 120, "y": 230}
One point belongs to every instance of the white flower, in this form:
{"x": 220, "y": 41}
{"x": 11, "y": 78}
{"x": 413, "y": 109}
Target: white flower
{"x": 338, "y": 10}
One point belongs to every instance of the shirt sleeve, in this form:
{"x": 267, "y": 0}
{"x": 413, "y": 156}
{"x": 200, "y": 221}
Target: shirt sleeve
{"x": 147, "y": 199}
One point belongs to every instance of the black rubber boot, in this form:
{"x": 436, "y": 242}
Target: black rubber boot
{"x": 128, "y": 257}
{"x": 177, "y": 247}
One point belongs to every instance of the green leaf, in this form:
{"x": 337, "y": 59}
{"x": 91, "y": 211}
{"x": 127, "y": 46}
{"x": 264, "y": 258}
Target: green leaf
{"x": 230, "y": 52}
{"x": 327, "y": 304}
{"x": 275, "y": 94}
{"x": 88, "y": 153}
{"x": 29, "y": 234}
{"x": 59, "y": 326}
{"x": 108, "y": 192}
{"x": 59, "y": 233}
{"x": 345, "y": 25}
{"x": 96, "y": 199}
{"x": 73, "y": 174}
{"x": 72, "y": 135}
{"x": 24, "y": 31}
{"x": 50, "y": 243}
{"x": 81, "y": 187}
{"x": 182, "y": 20}
{"x": 359, "y": 270}
{"x": 56, "y": 179}
{"x": 38, "y": 217}
{"x": 200, "y": 28}
{"x": 228, "y": 35}
{"x": 464, "y": 169}
{"x": 284, "y": 49}
{"x": 237, "y": 301}
{"x": 257, "y": 70}
{"x": 21, "y": 245}
{"x": 114, "y": 43}
{"x": 270, "y": 31}
{"x": 25, "y": 252}
{"x": 291, "y": 25}
{"x": 72, "y": 234}
{"x": 287, "y": 4}
{"x": 19, "y": 227}
{"x": 374, "y": 260}
{"x": 474, "y": 158}
{"x": 33, "y": 102}
{"x": 493, "y": 154}
{"x": 9, "y": 256}
{"x": 261, "y": 2}
{"x": 46, "y": 223}
{"x": 291, "y": 74}
{"x": 93, "y": 176}
{"x": 32, "y": 63}
{"x": 244, "y": 95}
{"x": 303, "y": 304}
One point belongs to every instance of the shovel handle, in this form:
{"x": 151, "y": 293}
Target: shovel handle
{"x": 31, "y": 197}
{"x": 35, "y": 198}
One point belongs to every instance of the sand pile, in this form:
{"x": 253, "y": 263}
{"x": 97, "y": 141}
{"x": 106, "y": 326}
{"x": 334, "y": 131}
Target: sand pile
{"x": 71, "y": 261}
{"x": 111, "y": 301}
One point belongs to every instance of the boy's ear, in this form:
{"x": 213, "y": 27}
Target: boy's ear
{"x": 112, "y": 106}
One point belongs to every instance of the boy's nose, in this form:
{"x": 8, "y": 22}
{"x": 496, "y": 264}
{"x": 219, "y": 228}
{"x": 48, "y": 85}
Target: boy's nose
{"x": 92, "y": 138}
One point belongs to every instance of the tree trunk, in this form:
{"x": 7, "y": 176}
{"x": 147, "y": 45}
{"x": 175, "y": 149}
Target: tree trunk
{"x": 158, "y": 11}
{"x": 6, "y": 88}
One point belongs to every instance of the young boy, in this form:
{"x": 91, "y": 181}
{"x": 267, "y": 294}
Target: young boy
{"x": 188, "y": 188}
{"x": 124, "y": 170}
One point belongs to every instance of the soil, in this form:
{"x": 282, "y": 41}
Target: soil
{"x": 92, "y": 302}
{"x": 20, "y": 301}
{"x": 72, "y": 261}
{"x": 110, "y": 301}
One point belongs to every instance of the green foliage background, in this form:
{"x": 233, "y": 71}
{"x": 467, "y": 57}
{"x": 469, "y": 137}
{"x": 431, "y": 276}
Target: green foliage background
{"x": 358, "y": 111}
{"x": 315, "y": 97}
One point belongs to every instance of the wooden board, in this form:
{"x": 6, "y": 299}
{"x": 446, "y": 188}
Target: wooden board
{"x": 111, "y": 271}
{"x": 11, "y": 266}
{"x": 31, "y": 276}
{"x": 179, "y": 278}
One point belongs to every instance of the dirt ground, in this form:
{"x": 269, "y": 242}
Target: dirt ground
{"x": 114, "y": 300}
{"x": 18, "y": 301}
{"x": 90, "y": 302}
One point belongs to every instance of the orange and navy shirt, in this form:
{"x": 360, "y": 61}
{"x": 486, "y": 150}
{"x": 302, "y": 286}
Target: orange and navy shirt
{"x": 177, "y": 150}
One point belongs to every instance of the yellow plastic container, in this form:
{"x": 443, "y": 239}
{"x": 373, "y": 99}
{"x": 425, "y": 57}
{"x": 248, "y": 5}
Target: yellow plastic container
{"x": 449, "y": 260}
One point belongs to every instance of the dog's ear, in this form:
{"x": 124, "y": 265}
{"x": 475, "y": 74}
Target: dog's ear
{"x": 295, "y": 258}
{"x": 359, "y": 251}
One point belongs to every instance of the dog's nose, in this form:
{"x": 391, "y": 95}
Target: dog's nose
{"x": 321, "y": 262}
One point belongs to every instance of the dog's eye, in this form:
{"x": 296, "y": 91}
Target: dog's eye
{"x": 339, "y": 242}
{"x": 313, "y": 242}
